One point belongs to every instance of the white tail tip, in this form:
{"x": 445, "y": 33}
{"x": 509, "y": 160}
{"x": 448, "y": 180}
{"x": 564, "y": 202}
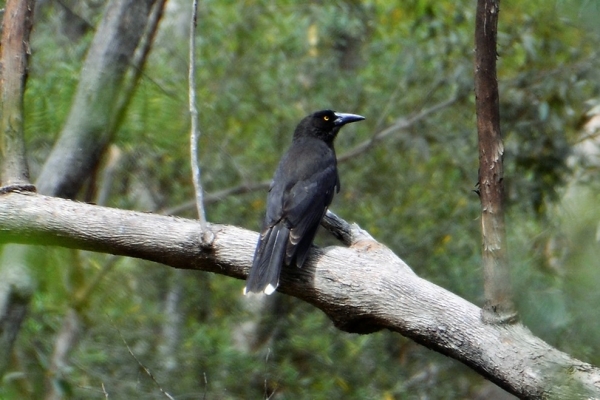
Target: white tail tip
{"x": 269, "y": 289}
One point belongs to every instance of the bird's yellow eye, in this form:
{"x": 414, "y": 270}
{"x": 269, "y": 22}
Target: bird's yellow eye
{"x": 326, "y": 118}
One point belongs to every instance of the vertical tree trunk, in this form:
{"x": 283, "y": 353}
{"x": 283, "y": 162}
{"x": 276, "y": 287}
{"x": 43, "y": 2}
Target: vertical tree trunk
{"x": 17, "y": 22}
{"x": 498, "y": 307}
{"x": 15, "y": 284}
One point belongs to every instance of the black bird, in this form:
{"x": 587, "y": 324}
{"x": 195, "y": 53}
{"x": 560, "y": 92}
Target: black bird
{"x": 301, "y": 191}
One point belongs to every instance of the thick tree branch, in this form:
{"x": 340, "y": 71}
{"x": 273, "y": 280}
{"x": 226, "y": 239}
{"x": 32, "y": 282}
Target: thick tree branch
{"x": 363, "y": 288}
{"x": 499, "y": 307}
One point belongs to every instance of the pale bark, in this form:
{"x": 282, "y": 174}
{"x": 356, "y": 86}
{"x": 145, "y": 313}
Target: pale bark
{"x": 364, "y": 288}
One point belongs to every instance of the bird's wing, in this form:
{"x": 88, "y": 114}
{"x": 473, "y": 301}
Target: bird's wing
{"x": 303, "y": 200}
{"x": 308, "y": 202}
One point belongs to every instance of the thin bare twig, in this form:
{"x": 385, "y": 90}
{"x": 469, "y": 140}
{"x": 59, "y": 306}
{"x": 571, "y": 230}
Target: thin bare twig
{"x": 400, "y": 124}
{"x": 266, "y": 382}
{"x": 216, "y": 196}
{"x": 146, "y": 370}
{"x": 205, "y": 386}
{"x": 82, "y": 296}
{"x": 195, "y": 130}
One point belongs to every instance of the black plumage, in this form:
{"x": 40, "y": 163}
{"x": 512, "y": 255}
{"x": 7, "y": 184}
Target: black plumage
{"x": 302, "y": 189}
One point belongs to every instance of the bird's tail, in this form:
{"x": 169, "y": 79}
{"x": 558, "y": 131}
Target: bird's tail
{"x": 268, "y": 260}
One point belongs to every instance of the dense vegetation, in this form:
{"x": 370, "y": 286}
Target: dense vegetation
{"x": 261, "y": 67}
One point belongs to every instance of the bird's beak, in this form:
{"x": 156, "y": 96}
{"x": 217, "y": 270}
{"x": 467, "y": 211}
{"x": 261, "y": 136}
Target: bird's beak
{"x": 343, "y": 119}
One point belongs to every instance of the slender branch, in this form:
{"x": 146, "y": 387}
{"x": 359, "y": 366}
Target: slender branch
{"x": 17, "y": 23}
{"x": 83, "y": 294}
{"x": 348, "y": 234}
{"x": 400, "y": 124}
{"x": 195, "y": 130}
{"x": 499, "y": 306}
{"x": 142, "y": 366}
{"x": 219, "y": 195}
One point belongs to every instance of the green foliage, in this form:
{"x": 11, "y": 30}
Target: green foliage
{"x": 261, "y": 67}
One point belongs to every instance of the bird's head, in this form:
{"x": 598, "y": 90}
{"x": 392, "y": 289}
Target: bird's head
{"x": 324, "y": 124}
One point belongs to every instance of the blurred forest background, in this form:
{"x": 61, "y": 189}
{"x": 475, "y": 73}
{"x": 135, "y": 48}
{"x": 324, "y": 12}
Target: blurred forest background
{"x": 261, "y": 66}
